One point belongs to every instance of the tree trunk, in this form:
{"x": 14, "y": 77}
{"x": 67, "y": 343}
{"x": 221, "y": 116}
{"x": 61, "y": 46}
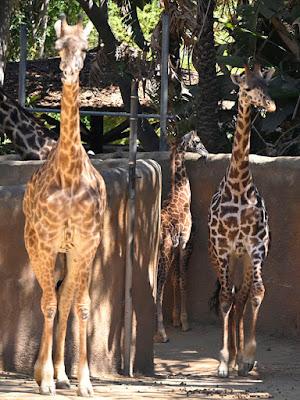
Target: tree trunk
{"x": 99, "y": 17}
{"x": 6, "y": 9}
{"x": 204, "y": 60}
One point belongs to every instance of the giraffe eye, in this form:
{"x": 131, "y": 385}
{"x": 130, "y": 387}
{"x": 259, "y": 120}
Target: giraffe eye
{"x": 247, "y": 89}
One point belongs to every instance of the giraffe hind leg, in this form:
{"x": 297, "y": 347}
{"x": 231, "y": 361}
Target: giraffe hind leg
{"x": 66, "y": 290}
{"x": 162, "y": 272}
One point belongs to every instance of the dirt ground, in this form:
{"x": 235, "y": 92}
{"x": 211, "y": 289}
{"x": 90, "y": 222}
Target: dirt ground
{"x": 186, "y": 368}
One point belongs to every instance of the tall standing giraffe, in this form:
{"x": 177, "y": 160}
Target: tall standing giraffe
{"x": 64, "y": 205}
{"x": 238, "y": 227}
{"x": 176, "y": 224}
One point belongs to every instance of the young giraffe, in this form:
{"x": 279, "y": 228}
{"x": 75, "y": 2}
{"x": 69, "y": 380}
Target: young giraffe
{"x": 238, "y": 227}
{"x": 64, "y": 205}
{"x": 31, "y": 140}
{"x": 176, "y": 224}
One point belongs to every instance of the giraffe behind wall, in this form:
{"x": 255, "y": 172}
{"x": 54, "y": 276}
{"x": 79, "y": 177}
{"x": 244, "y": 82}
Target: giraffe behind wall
{"x": 176, "y": 224}
{"x": 64, "y": 205}
{"x": 238, "y": 228}
{"x": 31, "y": 140}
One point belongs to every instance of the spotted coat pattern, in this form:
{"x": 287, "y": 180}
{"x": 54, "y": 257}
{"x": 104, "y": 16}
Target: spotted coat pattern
{"x": 238, "y": 228}
{"x": 64, "y": 205}
{"x": 175, "y": 241}
{"x": 30, "y": 139}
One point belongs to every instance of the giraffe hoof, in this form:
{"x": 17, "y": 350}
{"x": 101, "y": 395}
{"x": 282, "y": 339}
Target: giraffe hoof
{"x": 245, "y": 368}
{"x": 85, "y": 390}
{"x": 63, "y": 384}
{"x": 47, "y": 389}
{"x": 223, "y": 371}
{"x": 160, "y": 339}
{"x": 185, "y": 327}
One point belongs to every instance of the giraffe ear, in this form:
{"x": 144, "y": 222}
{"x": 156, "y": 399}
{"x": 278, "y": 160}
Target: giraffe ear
{"x": 236, "y": 79}
{"x": 57, "y": 27}
{"x": 268, "y": 74}
{"x": 87, "y": 30}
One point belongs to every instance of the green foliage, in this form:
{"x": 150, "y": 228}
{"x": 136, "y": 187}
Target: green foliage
{"x": 148, "y": 17}
{"x": 24, "y": 14}
{"x": 249, "y": 34}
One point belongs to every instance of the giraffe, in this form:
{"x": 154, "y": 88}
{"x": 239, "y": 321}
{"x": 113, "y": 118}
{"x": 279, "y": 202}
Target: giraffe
{"x": 238, "y": 228}
{"x": 31, "y": 140}
{"x": 176, "y": 224}
{"x": 64, "y": 205}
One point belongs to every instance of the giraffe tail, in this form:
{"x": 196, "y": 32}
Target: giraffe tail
{"x": 214, "y": 301}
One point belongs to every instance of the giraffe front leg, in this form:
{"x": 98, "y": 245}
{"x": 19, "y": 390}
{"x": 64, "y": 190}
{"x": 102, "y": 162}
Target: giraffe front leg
{"x": 82, "y": 308}
{"x": 225, "y": 306}
{"x": 43, "y": 368}
{"x": 165, "y": 260}
{"x": 65, "y": 299}
{"x": 232, "y": 338}
{"x": 160, "y": 336}
{"x": 225, "y": 301}
{"x": 256, "y": 297}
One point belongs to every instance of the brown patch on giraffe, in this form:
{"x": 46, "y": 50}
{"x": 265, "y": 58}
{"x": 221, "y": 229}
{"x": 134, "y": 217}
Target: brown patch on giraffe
{"x": 231, "y": 221}
{"x": 247, "y": 216}
{"x": 245, "y": 229}
{"x": 238, "y": 136}
{"x": 235, "y": 186}
{"x": 226, "y": 196}
{"x": 240, "y": 125}
{"x": 234, "y": 173}
{"x": 232, "y": 234}
{"x": 244, "y": 165}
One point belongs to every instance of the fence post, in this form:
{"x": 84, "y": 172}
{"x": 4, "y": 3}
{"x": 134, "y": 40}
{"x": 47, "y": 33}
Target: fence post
{"x": 164, "y": 82}
{"x": 128, "y": 367}
{"x": 22, "y": 65}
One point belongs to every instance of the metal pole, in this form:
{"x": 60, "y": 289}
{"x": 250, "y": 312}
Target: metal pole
{"x": 130, "y": 229}
{"x": 22, "y": 65}
{"x": 164, "y": 82}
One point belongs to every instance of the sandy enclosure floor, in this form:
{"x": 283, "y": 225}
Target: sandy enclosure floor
{"x": 186, "y": 368}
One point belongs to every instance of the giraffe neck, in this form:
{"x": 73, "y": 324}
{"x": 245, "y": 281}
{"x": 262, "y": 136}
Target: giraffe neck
{"x": 179, "y": 175}
{"x": 69, "y": 150}
{"x": 239, "y": 163}
{"x": 30, "y": 139}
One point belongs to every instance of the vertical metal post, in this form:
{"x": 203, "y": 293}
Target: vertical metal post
{"x": 164, "y": 82}
{"x": 130, "y": 228}
{"x": 22, "y": 65}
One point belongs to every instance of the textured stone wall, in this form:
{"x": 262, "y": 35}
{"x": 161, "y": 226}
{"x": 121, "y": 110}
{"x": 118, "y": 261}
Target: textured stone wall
{"x": 20, "y": 315}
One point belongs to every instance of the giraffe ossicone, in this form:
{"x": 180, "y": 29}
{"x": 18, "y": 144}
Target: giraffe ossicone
{"x": 238, "y": 228}
{"x": 64, "y": 206}
{"x": 175, "y": 235}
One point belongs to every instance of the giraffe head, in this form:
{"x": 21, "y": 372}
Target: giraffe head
{"x": 72, "y": 44}
{"x": 254, "y": 87}
{"x": 191, "y": 142}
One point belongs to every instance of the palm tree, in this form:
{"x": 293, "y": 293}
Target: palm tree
{"x": 204, "y": 61}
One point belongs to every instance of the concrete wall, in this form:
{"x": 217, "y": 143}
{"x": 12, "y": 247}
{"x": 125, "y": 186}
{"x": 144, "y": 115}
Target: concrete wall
{"x": 20, "y": 315}
{"x": 20, "y": 318}
{"x": 278, "y": 180}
